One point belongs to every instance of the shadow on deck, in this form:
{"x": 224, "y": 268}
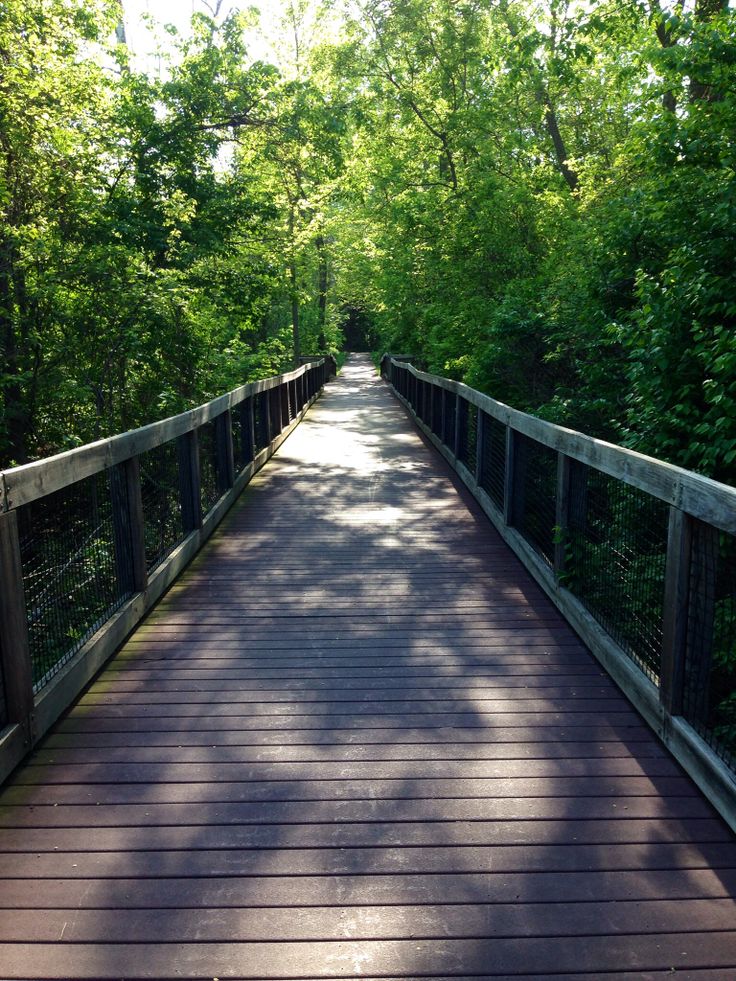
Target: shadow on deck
{"x": 356, "y": 740}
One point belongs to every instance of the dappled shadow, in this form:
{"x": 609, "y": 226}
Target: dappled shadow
{"x": 356, "y": 740}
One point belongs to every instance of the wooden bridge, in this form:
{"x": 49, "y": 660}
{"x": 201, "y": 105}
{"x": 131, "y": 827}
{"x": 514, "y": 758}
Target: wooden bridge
{"x": 357, "y": 739}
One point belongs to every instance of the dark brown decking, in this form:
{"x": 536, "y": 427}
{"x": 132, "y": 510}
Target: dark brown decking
{"x": 356, "y": 740}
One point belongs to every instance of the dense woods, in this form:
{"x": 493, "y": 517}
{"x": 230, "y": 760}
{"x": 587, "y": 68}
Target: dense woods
{"x": 537, "y": 198}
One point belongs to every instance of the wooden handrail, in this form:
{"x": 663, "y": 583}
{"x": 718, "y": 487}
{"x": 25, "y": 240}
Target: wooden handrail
{"x": 21, "y": 485}
{"x": 703, "y": 498}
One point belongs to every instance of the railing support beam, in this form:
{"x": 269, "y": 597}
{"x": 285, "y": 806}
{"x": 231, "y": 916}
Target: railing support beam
{"x": 224, "y": 451}
{"x": 15, "y": 652}
{"x": 189, "y": 481}
{"x": 127, "y": 524}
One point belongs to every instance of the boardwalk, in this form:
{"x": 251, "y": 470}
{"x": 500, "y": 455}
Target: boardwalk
{"x": 355, "y": 740}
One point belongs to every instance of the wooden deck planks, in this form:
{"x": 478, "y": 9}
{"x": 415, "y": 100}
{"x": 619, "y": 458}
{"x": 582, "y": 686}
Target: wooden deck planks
{"x": 355, "y": 740}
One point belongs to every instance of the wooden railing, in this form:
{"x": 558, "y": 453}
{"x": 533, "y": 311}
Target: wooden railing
{"x": 91, "y": 538}
{"x": 639, "y": 555}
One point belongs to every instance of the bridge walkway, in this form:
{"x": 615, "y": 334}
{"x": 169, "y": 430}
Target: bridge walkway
{"x": 356, "y": 740}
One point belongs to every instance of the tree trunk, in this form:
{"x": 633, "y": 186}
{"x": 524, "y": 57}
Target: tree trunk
{"x": 16, "y": 425}
{"x": 321, "y": 294}
{"x": 706, "y": 10}
{"x": 293, "y": 288}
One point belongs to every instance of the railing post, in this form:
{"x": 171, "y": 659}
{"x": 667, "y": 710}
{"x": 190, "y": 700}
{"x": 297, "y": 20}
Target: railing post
{"x": 224, "y": 451}
{"x": 513, "y": 496}
{"x": 128, "y": 528}
{"x": 189, "y": 481}
{"x": 676, "y": 603}
{"x": 15, "y": 650}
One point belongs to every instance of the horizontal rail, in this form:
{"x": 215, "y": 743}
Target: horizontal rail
{"x": 639, "y": 555}
{"x": 700, "y": 496}
{"x": 21, "y": 485}
{"x": 90, "y": 539}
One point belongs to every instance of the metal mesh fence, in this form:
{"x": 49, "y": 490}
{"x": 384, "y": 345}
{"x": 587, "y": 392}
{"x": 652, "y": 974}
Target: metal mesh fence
{"x": 293, "y": 408}
{"x": 162, "y": 517}
{"x": 208, "y": 486}
{"x": 448, "y": 418}
{"x": 278, "y": 408}
{"x": 260, "y": 411}
{"x": 239, "y": 435}
{"x": 467, "y": 433}
{"x": 492, "y": 476}
{"x": 709, "y": 683}
{"x": 615, "y": 553}
{"x": 241, "y": 426}
{"x": 535, "y": 491}
{"x": 69, "y": 561}
{"x": 435, "y": 396}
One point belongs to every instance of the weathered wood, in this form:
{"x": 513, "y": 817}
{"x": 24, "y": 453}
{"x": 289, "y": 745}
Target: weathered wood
{"x": 128, "y": 529}
{"x": 676, "y": 603}
{"x": 14, "y": 647}
{"x": 190, "y": 493}
{"x": 225, "y": 464}
{"x": 396, "y": 764}
{"x": 706, "y": 499}
{"x": 21, "y": 485}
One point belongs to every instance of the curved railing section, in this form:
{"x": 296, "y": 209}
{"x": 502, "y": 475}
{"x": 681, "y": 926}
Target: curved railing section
{"x": 639, "y": 555}
{"x": 91, "y": 538}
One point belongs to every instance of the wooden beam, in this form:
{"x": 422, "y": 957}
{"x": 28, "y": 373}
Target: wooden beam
{"x": 21, "y": 485}
{"x": 15, "y": 653}
{"x": 706, "y": 499}
{"x": 190, "y": 493}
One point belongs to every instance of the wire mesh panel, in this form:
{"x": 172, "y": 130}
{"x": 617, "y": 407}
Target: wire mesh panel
{"x": 492, "y": 476}
{"x": 448, "y": 419}
{"x": 300, "y": 400}
{"x": 242, "y": 434}
{"x": 435, "y": 424}
{"x": 411, "y": 390}
{"x": 208, "y": 486}
{"x": 260, "y": 410}
{"x": 419, "y": 407}
{"x": 293, "y": 399}
{"x": 533, "y": 510}
{"x": 162, "y": 515}
{"x": 276, "y": 411}
{"x": 615, "y": 551}
{"x": 70, "y": 571}
{"x": 238, "y": 435}
{"x": 467, "y": 433}
{"x": 709, "y": 683}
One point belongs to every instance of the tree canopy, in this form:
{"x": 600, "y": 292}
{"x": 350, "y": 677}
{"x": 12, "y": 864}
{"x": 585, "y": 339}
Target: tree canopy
{"x": 536, "y": 198}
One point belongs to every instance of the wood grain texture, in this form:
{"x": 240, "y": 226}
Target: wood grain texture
{"x": 355, "y": 740}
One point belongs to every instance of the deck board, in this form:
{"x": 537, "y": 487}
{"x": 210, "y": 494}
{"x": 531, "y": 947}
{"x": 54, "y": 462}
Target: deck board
{"x": 356, "y": 740}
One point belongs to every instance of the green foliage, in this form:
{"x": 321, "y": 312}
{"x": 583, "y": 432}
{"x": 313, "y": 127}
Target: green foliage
{"x": 536, "y": 198}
